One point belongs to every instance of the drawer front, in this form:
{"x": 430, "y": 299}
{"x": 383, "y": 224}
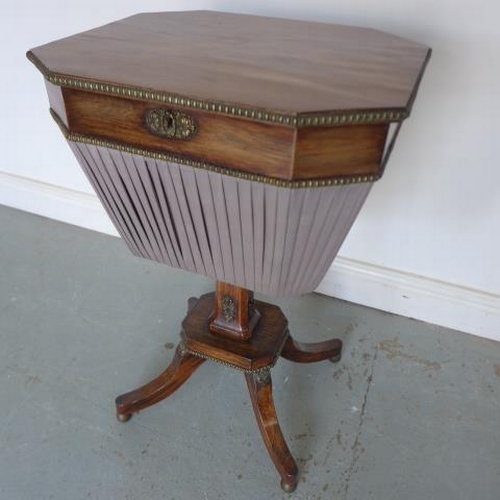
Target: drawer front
{"x": 329, "y": 154}
{"x": 235, "y": 143}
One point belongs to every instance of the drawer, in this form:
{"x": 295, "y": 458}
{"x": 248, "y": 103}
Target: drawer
{"x": 249, "y": 146}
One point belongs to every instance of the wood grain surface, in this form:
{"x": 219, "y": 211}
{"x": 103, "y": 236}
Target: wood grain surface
{"x": 259, "y": 351}
{"x": 322, "y": 152}
{"x": 235, "y": 143}
{"x": 180, "y": 369}
{"x": 301, "y": 352}
{"x": 267, "y": 63}
{"x": 235, "y": 315}
{"x": 261, "y": 395}
{"x": 230, "y": 142}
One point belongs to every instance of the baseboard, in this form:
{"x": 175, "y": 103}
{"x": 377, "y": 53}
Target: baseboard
{"x": 55, "y": 202}
{"x": 399, "y": 292}
{"x": 426, "y": 299}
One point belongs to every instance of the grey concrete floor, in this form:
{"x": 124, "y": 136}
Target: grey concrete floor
{"x": 411, "y": 412}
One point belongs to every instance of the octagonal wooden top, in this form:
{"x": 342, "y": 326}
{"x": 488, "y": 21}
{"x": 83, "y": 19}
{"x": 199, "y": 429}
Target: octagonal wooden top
{"x": 290, "y": 67}
{"x": 288, "y": 102}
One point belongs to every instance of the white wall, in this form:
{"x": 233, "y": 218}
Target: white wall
{"x": 428, "y": 239}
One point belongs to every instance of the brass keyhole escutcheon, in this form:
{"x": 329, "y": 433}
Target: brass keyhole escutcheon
{"x": 170, "y": 123}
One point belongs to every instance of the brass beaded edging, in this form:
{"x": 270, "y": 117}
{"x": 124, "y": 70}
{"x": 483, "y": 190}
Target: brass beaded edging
{"x": 181, "y": 160}
{"x": 338, "y": 118}
{"x": 263, "y": 370}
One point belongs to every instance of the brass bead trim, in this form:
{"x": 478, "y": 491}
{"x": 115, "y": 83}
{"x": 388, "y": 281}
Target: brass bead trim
{"x": 182, "y": 160}
{"x": 351, "y": 118}
{"x": 322, "y": 119}
{"x": 258, "y": 371}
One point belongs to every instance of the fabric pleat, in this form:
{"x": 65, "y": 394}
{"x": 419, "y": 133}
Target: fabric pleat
{"x": 274, "y": 240}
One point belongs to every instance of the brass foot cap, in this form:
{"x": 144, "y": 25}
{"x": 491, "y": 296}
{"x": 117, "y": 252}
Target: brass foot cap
{"x": 288, "y": 487}
{"x": 335, "y": 359}
{"x": 124, "y": 417}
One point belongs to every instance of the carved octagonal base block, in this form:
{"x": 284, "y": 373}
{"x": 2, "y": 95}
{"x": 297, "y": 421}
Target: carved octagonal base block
{"x": 259, "y": 351}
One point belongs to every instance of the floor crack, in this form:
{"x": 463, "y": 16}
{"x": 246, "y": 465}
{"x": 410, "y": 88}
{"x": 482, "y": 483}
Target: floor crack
{"x": 356, "y": 452}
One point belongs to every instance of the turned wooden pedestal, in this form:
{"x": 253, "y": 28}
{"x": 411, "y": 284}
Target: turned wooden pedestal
{"x": 229, "y": 327}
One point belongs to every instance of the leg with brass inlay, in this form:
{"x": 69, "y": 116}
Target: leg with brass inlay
{"x": 261, "y": 394}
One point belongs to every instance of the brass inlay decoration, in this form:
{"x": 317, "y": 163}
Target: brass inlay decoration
{"x": 170, "y": 123}
{"x": 322, "y": 119}
{"x": 264, "y": 371}
{"x": 182, "y": 160}
{"x": 263, "y": 376}
{"x": 181, "y": 348}
{"x": 228, "y": 308}
{"x": 255, "y": 371}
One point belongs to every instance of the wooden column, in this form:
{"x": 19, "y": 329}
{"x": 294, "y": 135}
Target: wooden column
{"x": 235, "y": 315}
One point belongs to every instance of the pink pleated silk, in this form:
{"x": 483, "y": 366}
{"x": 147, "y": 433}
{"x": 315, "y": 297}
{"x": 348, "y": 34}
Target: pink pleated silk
{"x": 274, "y": 240}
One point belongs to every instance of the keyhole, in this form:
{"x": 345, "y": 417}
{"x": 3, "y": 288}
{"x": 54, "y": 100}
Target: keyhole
{"x": 169, "y": 123}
